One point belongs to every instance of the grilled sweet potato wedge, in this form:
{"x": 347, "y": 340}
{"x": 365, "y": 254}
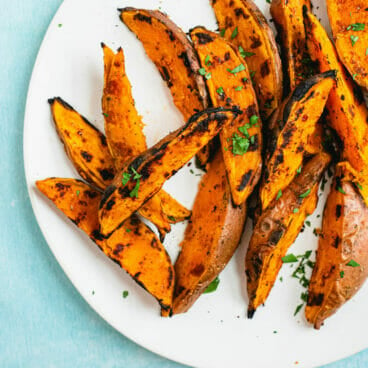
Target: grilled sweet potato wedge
{"x": 300, "y": 116}
{"x": 84, "y": 144}
{"x": 288, "y": 18}
{"x": 144, "y": 176}
{"x": 134, "y": 246}
{"x": 172, "y": 53}
{"x": 349, "y": 24}
{"x": 87, "y": 148}
{"x": 230, "y": 84}
{"x": 347, "y": 112}
{"x": 277, "y": 228}
{"x": 342, "y": 257}
{"x": 210, "y": 240}
{"x": 125, "y": 137}
{"x": 244, "y": 25}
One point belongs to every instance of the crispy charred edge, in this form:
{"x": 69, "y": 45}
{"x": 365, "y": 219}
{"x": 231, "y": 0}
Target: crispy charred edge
{"x": 62, "y": 102}
{"x": 191, "y": 55}
{"x": 303, "y": 88}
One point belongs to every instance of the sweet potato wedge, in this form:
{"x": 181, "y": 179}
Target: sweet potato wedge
{"x": 277, "y": 228}
{"x": 347, "y": 112}
{"x": 349, "y": 24}
{"x": 244, "y": 25}
{"x": 172, "y": 53}
{"x": 210, "y": 240}
{"x": 342, "y": 257}
{"x": 134, "y": 247}
{"x": 84, "y": 144}
{"x": 125, "y": 137}
{"x": 288, "y": 18}
{"x": 241, "y": 141}
{"x": 144, "y": 176}
{"x": 87, "y": 148}
{"x": 299, "y": 123}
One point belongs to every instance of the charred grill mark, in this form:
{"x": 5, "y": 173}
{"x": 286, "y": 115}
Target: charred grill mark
{"x": 336, "y": 242}
{"x": 286, "y": 136}
{"x": 254, "y": 146}
{"x": 240, "y": 12}
{"x": 119, "y": 248}
{"x": 96, "y": 235}
{"x": 279, "y": 159}
{"x": 110, "y": 204}
{"x": 86, "y": 156}
{"x": 315, "y": 299}
{"x": 257, "y": 265}
{"x": 227, "y": 56}
{"x": 155, "y": 245}
{"x": 103, "y": 140}
{"x": 265, "y": 69}
{"x": 171, "y": 34}
{"x": 197, "y": 270}
{"x": 108, "y": 191}
{"x": 276, "y": 236}
{"x": 186, "y": 62}
{"x": 61, "y": 186}
{"x": 228, "y": 22}
{"x": 203, "y": 38}
{"x": 256, "y": 42}
{"x": 251, "y": 110}
{"x": 143, "y": 18}
{"x": 91, "y": 194}
{"x": 107, "y": 174}
{"x": 245, "y": 180}
{"x": 166, "y": 76}
{"x": 338, "y": 211}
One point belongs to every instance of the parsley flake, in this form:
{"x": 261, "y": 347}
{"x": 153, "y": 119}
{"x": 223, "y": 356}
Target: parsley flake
{"x": 212, "y": 286}
{"x": 356, "y": 27}
{"x": 125, "y": 294}
{"x": 295, "y": 210}
{"x": 353, "y": 263}
{"x": 354, "y": 39}
{"x": 222, "y": 32}
{"x": 238, "y": 88}
{"x": 220, "y": 91}
{"x": 305, "y": 194}
{"x": 237, "y": 69}
{"x": 298, "y": 308}
{"x": 235, "y": 33}
{"x": 342, "y": 273}
{"x": 207, "y": 60}
{"x": 289, "y": 258}
{"x": 78, "y": 192}
{"x": 126, "y": 178}
{"x": 244, "y": 53}
{"x": 134, "y": 192}
{"x": 279, "y": 194}
{"x": 202, "y": 71}
{"x": 240, "y": 144}
{"x": 341, "y": 190}
{"x": 299, "y": 170}
{"x": 359, "y": 186}
{"x": 106, "y": 115}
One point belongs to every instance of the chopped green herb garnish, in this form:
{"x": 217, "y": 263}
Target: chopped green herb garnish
{"x": 60, "y": 25}
{"x": 352, "y": 263}
{"x": 354, "y": 75}
{"x": 208, "y": 76}
{"x": 128, "y": 230}
{"x": 245, "y": 54}
{"x": 93, "y": 292}
{"x": 191, "y": 171}
{"x": 305, "y": 194}
{"x": 238, "y": 88}
{"x": 136, "y": 175}
{"x": 202, "y": 71}
{"x": 366, "y": 51}
{"x": 207, "y": 60}
{"x": 304, "y": 296}
{"x": 252, "y": 74}
{"x": 245, "y": 79}
{"x": 275, "y": 332}
{"x": 240, "y": 144}
{"x": 134, "y": 192}
{"x": 281, "y": 279}
{"x": 298, "y": 308}
{"x": 237, "y": 69}
{"x": 235, "y": 33}
{"x": 341, "y": 190}
{"x": 171, "y": 218}
{"x": 342, "y": 273}
{"x": 220, "y": 90}
{"x": 212, "y": 286}
{"x": 125, "y": 293}
{"x": 359, "y": 186}
{"x": 308, "y": 223}
{"x": 222, "y": 32}
{"x": 106, "y": 115}
{"x": 268, "y": 1}
{"x": 253, "y": 119}
{"x": 354, "y": 39}
{"x": 78, "y": 192}
{"x": 126, "y": 178}
{"x": 299, "y": 170}
{"x": 279, "y": 194}
{"x": 356, "y": 27}
{"x": 295, "y": 210}
{"x": 252, "y": 139}
{"x": 289, "y": 258}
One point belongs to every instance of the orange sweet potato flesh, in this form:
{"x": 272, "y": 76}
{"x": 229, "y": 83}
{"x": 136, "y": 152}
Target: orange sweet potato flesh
{"x": 126, "y": 139}
{"x": 84, "y": 144}
{"x": 288, "y": 18}
{"x": 277, "y": 228}
{"x": 344, "y": 239}
{"x": 88, "y": 151}
{"x": 217, "y": 57}
{"x": 134, "y": 246}
{"x": 210, "y": 240}
{"x": 245, "y": 26}
{"x": 172, "y": 53}
{"x": 145, "y": 175}
{"x": 347, "y": 112}
{"x": 348, "y": 20}
{"x": 300, "y": 117}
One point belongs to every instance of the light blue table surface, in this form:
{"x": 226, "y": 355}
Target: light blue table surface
{"x": 44, "y": 322}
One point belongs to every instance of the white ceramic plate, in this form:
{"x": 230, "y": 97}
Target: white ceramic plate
{"x": 215, "y": 332}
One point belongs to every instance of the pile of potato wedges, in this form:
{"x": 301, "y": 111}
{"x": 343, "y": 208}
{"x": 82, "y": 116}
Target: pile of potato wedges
{"x": 264, "y": 125}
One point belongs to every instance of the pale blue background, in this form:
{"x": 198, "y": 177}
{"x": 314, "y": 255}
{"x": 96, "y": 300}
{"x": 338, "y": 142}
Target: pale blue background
{"x": 43, "y": 320}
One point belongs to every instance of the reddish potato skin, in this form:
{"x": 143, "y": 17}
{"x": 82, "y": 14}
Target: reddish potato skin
{"x": 210, "y": 240}
{"x": 344, "y": 238}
